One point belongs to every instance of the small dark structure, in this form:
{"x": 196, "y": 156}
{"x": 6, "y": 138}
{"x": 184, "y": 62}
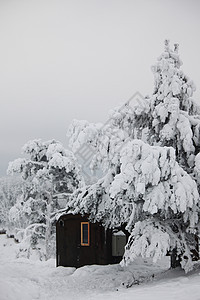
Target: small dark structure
{"x": 80, "y": 242}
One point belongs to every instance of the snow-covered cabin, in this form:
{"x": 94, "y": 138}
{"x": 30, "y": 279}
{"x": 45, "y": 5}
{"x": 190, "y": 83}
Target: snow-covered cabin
{"x": 80, "y": 242}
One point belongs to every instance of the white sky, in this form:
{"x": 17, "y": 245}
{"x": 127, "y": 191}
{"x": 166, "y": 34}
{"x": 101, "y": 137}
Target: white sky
{"x": 62, "y": 59}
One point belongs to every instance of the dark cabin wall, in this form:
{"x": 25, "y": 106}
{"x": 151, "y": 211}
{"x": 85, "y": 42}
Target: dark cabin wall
{"x": 71, "y": 253}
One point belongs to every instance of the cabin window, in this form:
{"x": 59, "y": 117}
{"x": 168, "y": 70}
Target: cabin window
{"x": 85, "y": 234}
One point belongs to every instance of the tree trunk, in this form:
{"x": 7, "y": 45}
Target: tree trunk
{"x": 175, "y": 259}
{"x": 48, "y": 226}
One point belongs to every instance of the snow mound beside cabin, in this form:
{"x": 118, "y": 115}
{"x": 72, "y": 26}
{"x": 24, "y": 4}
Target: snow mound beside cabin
{"x": 29, "y": 279}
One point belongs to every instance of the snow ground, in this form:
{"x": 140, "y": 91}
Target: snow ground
{"x": 23, "y": 279}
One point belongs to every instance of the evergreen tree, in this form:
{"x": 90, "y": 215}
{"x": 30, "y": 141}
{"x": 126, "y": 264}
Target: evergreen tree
{"x": 151, "y": 163}
{"x": 10, "y": 189}
{"x": 50, "y": 175}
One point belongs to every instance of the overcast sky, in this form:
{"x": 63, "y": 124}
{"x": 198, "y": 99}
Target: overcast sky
{"x": 67, "y": 59}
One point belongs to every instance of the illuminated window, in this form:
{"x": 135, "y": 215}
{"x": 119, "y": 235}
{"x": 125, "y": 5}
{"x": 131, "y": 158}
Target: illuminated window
{"x": 85, "y": 234}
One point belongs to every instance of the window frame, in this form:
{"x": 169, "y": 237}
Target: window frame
{"x": 88, "y": 233}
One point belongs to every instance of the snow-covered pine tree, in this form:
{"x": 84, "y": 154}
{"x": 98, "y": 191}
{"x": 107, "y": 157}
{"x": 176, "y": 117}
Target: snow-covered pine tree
{"x": 152, "y": 183}
{"x": 50, "y": 174}
{"x": 10, "y": 189}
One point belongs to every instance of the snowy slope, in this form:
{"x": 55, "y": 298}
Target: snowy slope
{"x": 22, "y": 279}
